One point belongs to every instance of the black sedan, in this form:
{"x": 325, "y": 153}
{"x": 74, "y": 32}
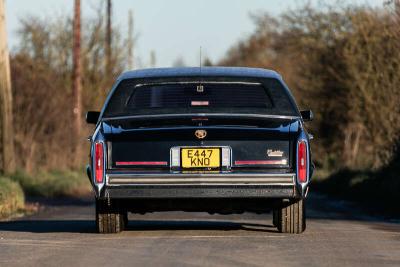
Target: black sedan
{"x": 215, "y": 139}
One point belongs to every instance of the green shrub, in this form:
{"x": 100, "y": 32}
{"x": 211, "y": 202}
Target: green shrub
{"x": 12, "y": 198}
{"x": 54, "y": 183}
{"x": 379, "y": 189}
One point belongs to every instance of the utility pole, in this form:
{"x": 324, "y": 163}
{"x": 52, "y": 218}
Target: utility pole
{"x": 397, "y": 10}
{"x": 76, "y": 76}
{"x": 397, "y": 20}
{"x": 131, "y": 60}
{"x": 108, "y": 38}
{"x": 7, "y": 156}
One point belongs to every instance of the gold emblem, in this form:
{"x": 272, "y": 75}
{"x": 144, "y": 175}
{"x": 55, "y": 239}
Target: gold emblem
{"x": 200, "y": 134}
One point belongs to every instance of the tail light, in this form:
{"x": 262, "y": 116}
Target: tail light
{"x": 302, "y": 161}
{"x": 99, "y": 162}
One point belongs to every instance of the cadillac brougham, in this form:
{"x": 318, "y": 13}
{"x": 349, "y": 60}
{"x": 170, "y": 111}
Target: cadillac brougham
{"x": 214, "y": 139}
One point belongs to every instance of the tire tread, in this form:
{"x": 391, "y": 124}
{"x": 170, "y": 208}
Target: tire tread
{"x": 291, "y": 217}
{"x": 109, "y": 219}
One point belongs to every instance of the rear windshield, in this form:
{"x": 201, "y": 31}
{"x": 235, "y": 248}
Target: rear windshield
{"x": 134, "y": 97}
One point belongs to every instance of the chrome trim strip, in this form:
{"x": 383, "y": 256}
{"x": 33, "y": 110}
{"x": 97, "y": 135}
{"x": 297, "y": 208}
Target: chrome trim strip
{"x": 197, "y": 82}
{"x": 200, "y": 174}
{"x": 105, "y": 155}
{"x": 201, "y": 147}
{"x": 200, "y": 179}
{"x": 194, "y": 181}
{"x": 303, "y": 186}
{"x": 208, "y": 115}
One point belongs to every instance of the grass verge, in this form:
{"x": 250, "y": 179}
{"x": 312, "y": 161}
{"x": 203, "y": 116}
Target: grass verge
{"x": 12, "y": 199}
{"x": 378, "y": 190}
{"x": 54, "y": 184}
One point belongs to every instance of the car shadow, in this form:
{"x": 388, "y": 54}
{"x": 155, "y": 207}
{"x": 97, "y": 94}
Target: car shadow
{"x": 89, "y": 226}
{"x": 161, "y": 225}
{"x": 49, "y": 226}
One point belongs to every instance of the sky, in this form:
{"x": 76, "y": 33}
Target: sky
{"x": 171, "y": 28}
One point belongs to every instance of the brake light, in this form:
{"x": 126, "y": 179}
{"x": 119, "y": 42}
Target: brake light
{"x": 99, "y": 162}
{"x": 302, "y": 162}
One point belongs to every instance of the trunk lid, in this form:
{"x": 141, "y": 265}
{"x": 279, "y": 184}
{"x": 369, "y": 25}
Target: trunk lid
{"x": 146, "y": 144}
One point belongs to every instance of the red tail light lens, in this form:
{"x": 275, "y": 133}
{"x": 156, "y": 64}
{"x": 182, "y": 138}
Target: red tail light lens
{"x": 302, "y": 162}
{"x": 99, "y": 162}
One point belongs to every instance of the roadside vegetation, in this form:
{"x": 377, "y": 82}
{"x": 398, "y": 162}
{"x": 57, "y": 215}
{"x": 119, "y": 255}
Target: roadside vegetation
{"x": 43, "y": 184}
{"x": 41, "y": 68}
{"x": 53, "y": 184}
{"x": 343, "y": 63}
{"x": 12, "y": 199}
{"x": 377, "y": 189}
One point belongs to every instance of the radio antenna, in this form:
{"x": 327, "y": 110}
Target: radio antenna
{"x": 200, "y": 60}
{"x": 200, "y": 88}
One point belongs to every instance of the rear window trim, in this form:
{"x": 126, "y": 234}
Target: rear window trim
{"x": 139, "y": 85}
{"x": 196, "y": 82}
{"x": 204, "y": 79}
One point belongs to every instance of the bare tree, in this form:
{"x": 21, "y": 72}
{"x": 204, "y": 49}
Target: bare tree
{"x": 42, "y": 63}
{"x": 131, "y": 60}
{"x": 153, "y": 58}
{"x": 7, "y": 160}
{"x": 76, "y": 74}
{"x": 179, "y": 62}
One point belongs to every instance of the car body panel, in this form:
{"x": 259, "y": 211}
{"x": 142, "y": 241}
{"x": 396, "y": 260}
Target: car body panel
{"x": 262, "y": 149}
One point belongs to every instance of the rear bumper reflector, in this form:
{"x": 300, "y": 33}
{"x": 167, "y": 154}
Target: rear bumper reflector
{"x": 141, "y": 163}
{"x": 261, "y": 162}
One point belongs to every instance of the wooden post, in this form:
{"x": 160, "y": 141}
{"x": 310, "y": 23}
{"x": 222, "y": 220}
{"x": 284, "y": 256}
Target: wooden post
{"x": 76, "y": 77}
{"x": 131, "y": 60}
{"x": 397, "y": 10}
{"x": 108, "y": 39}
{"x": 7, "y": 156}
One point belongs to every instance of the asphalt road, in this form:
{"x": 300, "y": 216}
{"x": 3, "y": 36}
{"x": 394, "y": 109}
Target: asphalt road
{"x": 337, "y": 235}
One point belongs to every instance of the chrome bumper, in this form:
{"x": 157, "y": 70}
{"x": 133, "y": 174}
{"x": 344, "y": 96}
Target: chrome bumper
{"x": 199, "y": 185}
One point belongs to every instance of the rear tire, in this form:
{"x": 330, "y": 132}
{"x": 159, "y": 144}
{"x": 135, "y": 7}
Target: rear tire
{"x": 109, "y": 218}
{"x": 291, "y": 217}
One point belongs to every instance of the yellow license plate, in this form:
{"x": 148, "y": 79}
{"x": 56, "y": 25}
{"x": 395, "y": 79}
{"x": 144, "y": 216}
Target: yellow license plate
{"x": 201, "y": 157}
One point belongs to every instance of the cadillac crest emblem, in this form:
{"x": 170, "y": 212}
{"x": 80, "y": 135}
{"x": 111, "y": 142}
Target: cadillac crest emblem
{"x": 200, "y": 134}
